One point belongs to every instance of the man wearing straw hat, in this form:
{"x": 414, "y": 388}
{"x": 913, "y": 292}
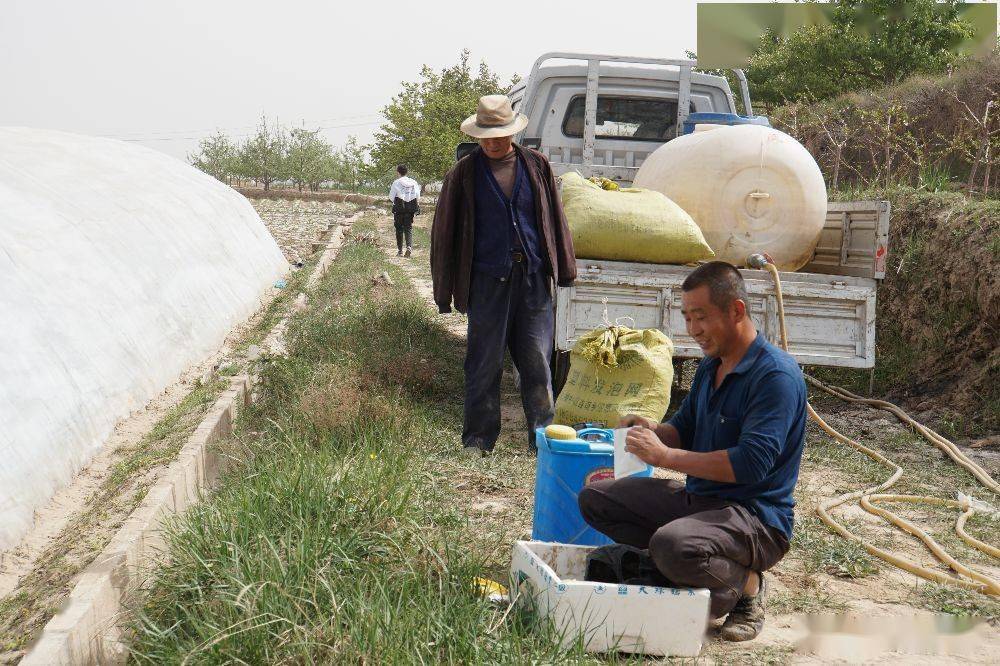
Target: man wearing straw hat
{"x": 498, "y": 243}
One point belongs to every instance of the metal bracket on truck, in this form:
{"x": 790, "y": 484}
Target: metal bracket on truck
{"x": 529, "y": 95}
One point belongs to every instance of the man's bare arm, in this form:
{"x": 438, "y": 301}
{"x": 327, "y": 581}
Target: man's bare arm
{"x": 658, "y": 450}
{"x": 711, "y": 466}
{"x": 669, "y": 435}
{"x": 666, "y": 432}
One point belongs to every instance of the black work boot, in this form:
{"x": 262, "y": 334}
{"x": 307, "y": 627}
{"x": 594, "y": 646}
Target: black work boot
{"x": 746, "y": 619}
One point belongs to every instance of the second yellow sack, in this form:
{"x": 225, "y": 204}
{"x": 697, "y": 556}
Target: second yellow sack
{"x": 616, "y": 371}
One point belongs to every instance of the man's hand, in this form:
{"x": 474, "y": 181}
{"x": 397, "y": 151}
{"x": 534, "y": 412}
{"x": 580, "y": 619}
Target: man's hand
{"x": 633, "y": 420}
{"x": 646, "y": 445}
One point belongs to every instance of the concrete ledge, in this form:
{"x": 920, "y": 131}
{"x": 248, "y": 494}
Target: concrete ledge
{"x": 86, "y": 630}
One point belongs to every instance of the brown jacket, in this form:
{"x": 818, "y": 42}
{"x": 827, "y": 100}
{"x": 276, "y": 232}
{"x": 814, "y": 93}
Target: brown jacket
{"x": 452, "y": 239}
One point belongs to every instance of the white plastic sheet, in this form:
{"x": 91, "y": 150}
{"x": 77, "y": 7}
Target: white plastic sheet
{"x": 120, "y": 267}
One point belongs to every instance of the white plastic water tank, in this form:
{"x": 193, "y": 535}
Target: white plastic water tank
{"x": 749, "y": 188}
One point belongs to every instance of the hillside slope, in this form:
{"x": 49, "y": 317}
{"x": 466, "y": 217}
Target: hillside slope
{"x": 938, "y": 322}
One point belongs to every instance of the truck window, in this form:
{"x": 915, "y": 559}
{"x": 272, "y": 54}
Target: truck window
{"x": 632, "y": 118}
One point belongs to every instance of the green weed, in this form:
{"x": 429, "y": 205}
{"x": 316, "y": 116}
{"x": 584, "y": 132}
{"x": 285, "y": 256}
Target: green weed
{"x": 822, "y": 550}
{"x": 337, "y": 535}
{"x": 957, "y": 601}
{"x": 805, "y": 601}
{"x": 934, "y": 179}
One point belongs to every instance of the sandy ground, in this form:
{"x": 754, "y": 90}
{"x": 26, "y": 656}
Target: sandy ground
{"x": 500, "y": 489}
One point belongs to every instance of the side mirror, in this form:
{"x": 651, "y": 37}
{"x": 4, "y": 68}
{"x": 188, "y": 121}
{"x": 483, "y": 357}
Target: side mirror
{"x": 464, "y": 149}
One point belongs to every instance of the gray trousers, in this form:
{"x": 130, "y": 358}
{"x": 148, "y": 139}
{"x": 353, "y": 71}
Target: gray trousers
{"x": 694, "y": 541}
{"x": 512, "y": 313}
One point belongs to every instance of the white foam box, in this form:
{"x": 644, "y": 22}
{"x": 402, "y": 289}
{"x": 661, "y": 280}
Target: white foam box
{"x": 660, "y": 621}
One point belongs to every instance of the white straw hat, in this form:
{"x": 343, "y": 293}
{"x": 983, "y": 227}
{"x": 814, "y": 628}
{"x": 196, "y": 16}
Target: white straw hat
{"x": 493, "y": 118}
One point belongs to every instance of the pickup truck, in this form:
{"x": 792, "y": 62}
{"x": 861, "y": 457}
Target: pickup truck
{"x": 603, "y": 115}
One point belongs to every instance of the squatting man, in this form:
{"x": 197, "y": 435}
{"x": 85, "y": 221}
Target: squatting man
{"x": 738, "y": 436}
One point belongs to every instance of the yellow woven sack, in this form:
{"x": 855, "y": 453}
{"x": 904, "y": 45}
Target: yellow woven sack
{"x": 616, "y": 371}
{"x": 630, "y": 224}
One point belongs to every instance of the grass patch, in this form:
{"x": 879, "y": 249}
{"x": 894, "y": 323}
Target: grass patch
{"x": 957, "y": 601}
{"x": 809, "y": 600}
{"x": 858, "y": 470}
{"x": 823, "y": 551}
{"x": 337, "y": 535}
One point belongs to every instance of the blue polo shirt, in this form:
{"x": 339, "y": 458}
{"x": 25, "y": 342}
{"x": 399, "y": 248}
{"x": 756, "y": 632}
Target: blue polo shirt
{"x": 757, "y": 415}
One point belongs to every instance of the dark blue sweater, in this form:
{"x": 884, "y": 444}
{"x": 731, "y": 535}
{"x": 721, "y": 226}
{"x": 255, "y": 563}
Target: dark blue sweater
{"x": 502, "y": 224}
{"x": 757, "y": 415}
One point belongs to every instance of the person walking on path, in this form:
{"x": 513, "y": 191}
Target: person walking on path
{"x": 405, "y": 197}
{"x": 498, "y": 242}
{"x": 738, "y": 436}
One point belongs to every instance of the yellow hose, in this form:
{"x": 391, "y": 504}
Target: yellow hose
{"x": 870, "y": 496}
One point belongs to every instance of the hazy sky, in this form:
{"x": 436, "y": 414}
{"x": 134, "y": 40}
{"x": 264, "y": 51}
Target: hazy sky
{"x": 167, "y": 72}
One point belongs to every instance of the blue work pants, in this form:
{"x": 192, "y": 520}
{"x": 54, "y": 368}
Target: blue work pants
{"x": 513, "y": 313}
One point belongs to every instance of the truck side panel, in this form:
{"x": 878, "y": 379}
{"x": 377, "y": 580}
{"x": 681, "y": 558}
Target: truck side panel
{"x": 831, "y": 320}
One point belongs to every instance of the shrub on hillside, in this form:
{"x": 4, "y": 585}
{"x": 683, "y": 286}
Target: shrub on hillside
{"x": 932, "y": 133}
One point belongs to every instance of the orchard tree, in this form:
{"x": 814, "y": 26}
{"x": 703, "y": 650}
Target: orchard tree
{"x": 307, "y": 161}
{"x": 351, "y": 164}
{"x": 421, "y": 122}
{"x": 216, "y": 156}
{"x": 262, "y": 156}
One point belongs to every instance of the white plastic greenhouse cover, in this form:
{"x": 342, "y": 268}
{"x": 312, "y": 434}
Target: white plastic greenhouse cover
{"x": 120, "y": 267}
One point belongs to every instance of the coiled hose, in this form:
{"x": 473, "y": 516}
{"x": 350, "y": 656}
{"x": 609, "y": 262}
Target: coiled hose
{"x": 869, "y": 497}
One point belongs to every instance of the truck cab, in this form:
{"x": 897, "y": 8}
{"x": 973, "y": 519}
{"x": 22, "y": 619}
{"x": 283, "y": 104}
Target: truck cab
{"x": 603, "y": 115}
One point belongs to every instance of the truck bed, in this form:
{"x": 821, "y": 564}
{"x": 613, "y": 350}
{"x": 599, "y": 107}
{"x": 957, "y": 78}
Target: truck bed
{"x": 829, "y": 306}
{"x": 830, "y": 318}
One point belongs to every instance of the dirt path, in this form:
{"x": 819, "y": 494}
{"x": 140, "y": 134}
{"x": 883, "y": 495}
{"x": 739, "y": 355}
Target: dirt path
{"x": 417, "y": 268}
{"x": 821, "y": 574}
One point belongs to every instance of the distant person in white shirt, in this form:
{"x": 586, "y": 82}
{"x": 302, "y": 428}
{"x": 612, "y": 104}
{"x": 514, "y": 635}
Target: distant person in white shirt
{"x": 404, "y": 195}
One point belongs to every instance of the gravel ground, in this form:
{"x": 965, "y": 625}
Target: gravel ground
{"x": 296, "y": 224}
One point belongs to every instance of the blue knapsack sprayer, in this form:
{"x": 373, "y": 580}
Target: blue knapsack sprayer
{"x": 569, "y": 459}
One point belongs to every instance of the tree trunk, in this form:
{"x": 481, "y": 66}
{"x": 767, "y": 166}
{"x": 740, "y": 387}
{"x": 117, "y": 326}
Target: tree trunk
{"x": 836, "y": 166}
{"x": 988, "y": 164}
{"x": 975, "y": 167}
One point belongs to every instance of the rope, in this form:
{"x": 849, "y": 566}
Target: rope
{"x": 869, "y": 497}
